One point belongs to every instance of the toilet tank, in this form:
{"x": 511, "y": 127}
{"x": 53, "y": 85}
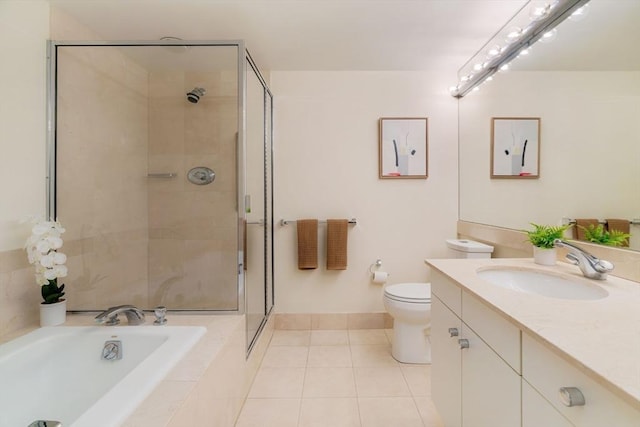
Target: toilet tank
{"x": 464, "y": 248}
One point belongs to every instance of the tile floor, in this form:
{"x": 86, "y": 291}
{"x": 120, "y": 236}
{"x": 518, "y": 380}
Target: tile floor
{"x": 337, "y": 378}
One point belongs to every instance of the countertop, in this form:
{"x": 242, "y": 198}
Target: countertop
{"x": 602, "y": 336}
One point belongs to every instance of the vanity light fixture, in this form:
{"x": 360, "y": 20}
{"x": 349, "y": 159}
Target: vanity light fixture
{"x": 544, "y": 19}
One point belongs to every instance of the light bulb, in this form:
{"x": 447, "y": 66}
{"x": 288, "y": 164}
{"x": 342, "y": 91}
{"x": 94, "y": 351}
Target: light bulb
{"x": 539, "y": 12}
{"x": 477, "y": 67}
{"x": 505, "y": 67}
{"x": 514, "y": 34}
{"x": 580, "y": 13}
{"x": 490, "y": 78}
{"x": 523, "y": 52}
{"x": 549, "y": 36}
{"x": 494, "y": 51}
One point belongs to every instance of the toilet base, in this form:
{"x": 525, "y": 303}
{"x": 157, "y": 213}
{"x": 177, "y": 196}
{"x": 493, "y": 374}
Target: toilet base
{"x": 411, "y": 343}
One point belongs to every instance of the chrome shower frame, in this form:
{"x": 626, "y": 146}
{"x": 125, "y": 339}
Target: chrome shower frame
{"x": 243, "y": 58}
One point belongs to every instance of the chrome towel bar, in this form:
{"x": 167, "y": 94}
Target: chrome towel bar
{"x": 352, "y": 221}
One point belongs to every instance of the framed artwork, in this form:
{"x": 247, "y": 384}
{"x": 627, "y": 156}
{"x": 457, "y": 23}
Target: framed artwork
{"x": 515, "y": 147}
{"x": 403, "y": 148}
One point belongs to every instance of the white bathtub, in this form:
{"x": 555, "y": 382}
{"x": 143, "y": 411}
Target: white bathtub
{"x": 57, "y": 373}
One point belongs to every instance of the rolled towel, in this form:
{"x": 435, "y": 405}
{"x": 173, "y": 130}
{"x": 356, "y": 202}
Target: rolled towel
{"x": 622, "y": 225}
{"x": 584, "y": 222}
{"x": 337, "y": 231}
{"x": 307, "y": 244}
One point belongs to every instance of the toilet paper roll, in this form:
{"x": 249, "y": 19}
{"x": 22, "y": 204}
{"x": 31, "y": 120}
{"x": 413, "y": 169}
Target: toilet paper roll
{"x": 379, "y": 277}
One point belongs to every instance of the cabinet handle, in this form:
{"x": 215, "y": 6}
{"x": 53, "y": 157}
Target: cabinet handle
{"x": 571, "y": 396}
{"x": 464, "y": 343}
{"x": 453, "y": 332}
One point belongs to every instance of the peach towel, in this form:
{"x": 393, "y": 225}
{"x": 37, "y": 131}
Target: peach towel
{"x": 584, "y": 222}
{"x": 307, "y": 244}
{"x": 337, "y": 244}
{"x": 622, "y": 225}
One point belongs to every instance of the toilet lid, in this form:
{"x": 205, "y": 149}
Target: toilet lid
{"x": 410, "y": 292}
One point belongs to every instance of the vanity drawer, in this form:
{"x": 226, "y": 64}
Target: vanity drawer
{"x": 448, "y": 291}
{"x": 499, "y": 334}
{"x": 548, "y": 373}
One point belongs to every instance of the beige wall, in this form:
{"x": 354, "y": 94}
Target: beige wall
{"x": 589, "y": 149}
{"x": 326, "y": 153}
{"x": 24, "y": 29}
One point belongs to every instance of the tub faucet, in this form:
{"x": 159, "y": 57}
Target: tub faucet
{"x": 109, "y": 317}
{"x": 591, "y": 266}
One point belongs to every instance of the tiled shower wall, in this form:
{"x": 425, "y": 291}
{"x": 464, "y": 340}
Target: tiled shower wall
{"x": 193, "y": 228}
{"x": 102, "y": 176}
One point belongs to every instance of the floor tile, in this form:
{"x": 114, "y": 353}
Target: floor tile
{"x": 367, "y": 336}
{"x": 381, "y": 382}
{"x": 278, "y": 383}
{"x": 428, "y": 412}
{"x": 372, "y": 355}
{"x": 290, "y": 338}
{"x": 389, "y": 411}
{"x": 342, "y": 412}
{"x": 269, "y": 413}
{"x": 327, "y": 337}
{"x": 329, "y": 382}
{"x": 334, "y": 356}
{"x": 286, "y": 356}
{"x": 418, "y": 377}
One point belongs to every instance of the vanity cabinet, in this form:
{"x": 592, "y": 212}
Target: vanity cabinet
{"x": 548, "y": 373}
{"x": 503, "y": 376}
{"x": 472, "y": 383}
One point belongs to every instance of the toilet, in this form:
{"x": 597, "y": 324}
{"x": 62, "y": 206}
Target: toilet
{"x": 410, "y": 306}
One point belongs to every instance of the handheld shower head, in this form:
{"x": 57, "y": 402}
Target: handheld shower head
{"x": 195, "y": 95}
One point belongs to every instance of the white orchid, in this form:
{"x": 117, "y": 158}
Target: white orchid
{"x": 42, "y": 248}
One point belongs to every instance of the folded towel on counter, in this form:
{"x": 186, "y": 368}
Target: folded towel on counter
{"x": 584, "y": 222}
{"x": 307, "y": 244}
{"x": 337, "y": 230}
{"x": 622, "y": 225}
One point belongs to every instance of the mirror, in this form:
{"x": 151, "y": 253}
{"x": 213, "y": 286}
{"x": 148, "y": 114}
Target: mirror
{"x": 585, "y": 88}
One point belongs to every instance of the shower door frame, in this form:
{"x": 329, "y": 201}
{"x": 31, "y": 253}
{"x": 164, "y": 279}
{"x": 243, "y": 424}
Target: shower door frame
{"x": 242, "y": 54}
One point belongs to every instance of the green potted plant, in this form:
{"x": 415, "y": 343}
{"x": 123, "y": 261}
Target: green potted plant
{"x": 597, "y": 234}
{"x": 542, "y": 238}
{"x": 42, "y": 251}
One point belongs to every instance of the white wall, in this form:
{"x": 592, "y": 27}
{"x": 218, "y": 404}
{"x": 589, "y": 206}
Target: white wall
{"x": 326, "y": 166}
{"x": 24, "y": 29}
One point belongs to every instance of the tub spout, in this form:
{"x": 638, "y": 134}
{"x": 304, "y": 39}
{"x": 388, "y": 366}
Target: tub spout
{"x": 109, "y": 317}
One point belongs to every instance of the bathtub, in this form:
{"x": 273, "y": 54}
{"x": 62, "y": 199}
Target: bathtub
{"x": 58, "y": 373}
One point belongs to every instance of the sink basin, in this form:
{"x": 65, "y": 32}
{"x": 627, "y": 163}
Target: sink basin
{"x": 543, "y": 283}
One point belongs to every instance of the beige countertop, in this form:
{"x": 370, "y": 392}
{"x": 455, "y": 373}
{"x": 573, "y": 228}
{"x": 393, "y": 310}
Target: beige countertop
{"x": 602, "y": 336}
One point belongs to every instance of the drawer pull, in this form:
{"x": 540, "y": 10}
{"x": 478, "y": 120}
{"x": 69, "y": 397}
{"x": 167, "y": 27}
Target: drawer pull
{"x": 464, "y": 343}
{"x": 453, "y": 332}
{"x": 571, "y": 396}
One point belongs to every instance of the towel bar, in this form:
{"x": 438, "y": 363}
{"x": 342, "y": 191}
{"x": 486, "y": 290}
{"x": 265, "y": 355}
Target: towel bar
{"x": 566, "y": 221}
{"x": 352, "y": 221}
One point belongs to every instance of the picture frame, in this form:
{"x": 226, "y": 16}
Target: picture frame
{"x": 403, "y": 148}
{"x": 515, "y": 148}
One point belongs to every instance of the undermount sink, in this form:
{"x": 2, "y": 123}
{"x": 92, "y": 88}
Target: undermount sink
{"x": 543, "y": 283}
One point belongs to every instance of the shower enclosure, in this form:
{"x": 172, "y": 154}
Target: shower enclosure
{"x": 160, "y": 169}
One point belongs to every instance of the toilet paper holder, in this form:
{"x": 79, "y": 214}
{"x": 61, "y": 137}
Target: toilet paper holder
{"x": 376, "y": 264}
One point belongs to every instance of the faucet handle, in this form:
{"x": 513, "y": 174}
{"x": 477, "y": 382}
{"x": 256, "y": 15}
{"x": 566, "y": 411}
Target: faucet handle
{"x": 160, "y": 312}
{"x": 603, "y": 266}
{"x": 572, "y": 258}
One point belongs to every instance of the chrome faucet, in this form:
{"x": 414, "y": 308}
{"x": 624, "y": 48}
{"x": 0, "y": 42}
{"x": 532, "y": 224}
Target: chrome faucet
{"x": 591, "y": 266}
{"x": 109, "y": 317}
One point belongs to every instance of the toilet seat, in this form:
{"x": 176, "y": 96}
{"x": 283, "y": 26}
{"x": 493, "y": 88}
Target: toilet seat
{"x": 419, "y": 293}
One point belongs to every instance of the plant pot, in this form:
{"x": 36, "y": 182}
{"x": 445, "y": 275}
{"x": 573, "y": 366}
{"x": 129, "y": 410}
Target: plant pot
{"x": 53, "y": 314}
{"x": 544, "y": 256}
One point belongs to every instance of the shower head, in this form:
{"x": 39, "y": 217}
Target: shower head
{"x": 195, "y": 95}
